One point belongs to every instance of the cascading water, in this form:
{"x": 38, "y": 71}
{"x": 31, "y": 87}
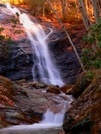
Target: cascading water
{"x": 43, "y": 69}
{"x": 48, "y": 73}
{"x": 50, "y": 119}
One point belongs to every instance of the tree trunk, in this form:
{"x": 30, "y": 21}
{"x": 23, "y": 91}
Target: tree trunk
{"x": 96, "y": 9}
{"x": 43, "y": 10}
{"x": 63, "y": 2}
{"x": 86, "y": 4}
{"x": 99, "y": 3}
{"x": 85, "y": 16}
{"x": 77, "y": 11}
{"x": 86, "y": 20}
{"x": 63, "y": 27}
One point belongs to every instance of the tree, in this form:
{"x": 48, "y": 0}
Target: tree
{"x": 85, "y": 16}
{"x": 63, "y": 2}
{"x": 35, "y": 6}
{"x": 95, "y": 4}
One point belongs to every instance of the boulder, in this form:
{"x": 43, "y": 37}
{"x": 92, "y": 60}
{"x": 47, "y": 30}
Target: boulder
{"x": 66, "y": 89}
{"x": 54, "y": 89}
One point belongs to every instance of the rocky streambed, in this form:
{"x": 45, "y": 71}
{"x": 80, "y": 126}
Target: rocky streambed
{"x": 25, "y": 103}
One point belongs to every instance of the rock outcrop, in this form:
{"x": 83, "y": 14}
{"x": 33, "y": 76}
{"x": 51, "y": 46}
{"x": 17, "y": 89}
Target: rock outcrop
{"x": 16, "y": 60}
{"x": 84, "y": 115}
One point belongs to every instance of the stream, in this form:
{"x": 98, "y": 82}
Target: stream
{"x": 50, "y": 124}
{"x": 54, "y": 130}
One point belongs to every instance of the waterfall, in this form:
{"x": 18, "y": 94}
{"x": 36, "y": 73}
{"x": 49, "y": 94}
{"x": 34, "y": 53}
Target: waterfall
{"x": 43, "y": 69}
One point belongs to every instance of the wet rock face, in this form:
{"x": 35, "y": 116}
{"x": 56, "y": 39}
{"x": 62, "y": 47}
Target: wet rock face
{"x": 16, "y": 66}
{"x": 16, "y": 62}
{"x": 64, "y": 56}
{"x": 84, "y": 116}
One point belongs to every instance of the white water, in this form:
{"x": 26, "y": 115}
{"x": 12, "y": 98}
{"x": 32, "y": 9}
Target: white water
{"x": 43, "y": 69}
{"x": 50, "y": 120}
{"x": 50, "y": 117}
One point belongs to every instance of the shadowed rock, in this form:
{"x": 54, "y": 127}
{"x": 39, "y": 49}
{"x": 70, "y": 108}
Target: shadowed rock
{"x": 84, "y": 115}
